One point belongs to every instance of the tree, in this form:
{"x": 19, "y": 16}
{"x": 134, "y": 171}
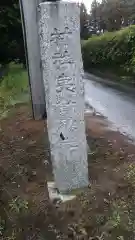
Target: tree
{"x": 11, "y": 42}
{"x": 96, "y": 20}
{"x": 84, "y": 22}
{"x": 111, "y": 15}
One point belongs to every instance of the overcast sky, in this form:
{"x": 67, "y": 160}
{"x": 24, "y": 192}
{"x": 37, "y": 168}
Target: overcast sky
{"x": 87, "y": 3}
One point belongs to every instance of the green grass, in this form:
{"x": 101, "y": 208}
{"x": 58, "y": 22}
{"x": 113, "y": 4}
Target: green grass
{"x": 13, "y": 88}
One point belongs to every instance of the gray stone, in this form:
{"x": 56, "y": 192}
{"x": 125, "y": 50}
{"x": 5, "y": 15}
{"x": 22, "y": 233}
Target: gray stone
{"x": 59, "y": 30}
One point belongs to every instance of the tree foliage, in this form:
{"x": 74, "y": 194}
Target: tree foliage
{"x": 84, "y": 22}
{"x": 111, "y": 15}
{"x": 11, "y": 41}
{"x": 106, "y": 15}
{"x": 114, "y": 51}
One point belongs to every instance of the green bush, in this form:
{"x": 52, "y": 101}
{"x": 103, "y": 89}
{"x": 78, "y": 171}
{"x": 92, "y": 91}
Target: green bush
{"x": 14, "y": 88}
{"x": 114, "y": 51}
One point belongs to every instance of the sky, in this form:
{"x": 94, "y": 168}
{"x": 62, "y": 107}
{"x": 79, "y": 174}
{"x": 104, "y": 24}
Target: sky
{"x": 87, "y": 3}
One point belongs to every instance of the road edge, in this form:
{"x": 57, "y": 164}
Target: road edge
{"x": 104, "y": 80}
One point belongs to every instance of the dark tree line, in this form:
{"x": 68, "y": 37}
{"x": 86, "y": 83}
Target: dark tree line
{"x": 11, "y": 37}
{"x": 112, "y": 15}
{"x": 84, "y": 22}
{"x": 107, "y": 15}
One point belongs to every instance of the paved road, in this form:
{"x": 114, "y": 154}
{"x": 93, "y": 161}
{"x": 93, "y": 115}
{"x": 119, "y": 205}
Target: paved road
{"x": 118, "y": 107}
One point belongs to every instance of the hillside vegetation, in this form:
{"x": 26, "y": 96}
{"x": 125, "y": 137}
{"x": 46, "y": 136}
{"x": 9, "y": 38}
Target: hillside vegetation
{"x": 112, "y": 51}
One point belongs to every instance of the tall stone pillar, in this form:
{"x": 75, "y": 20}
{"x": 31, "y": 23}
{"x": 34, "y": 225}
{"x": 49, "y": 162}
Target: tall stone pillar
{"x": 59, "y": 29}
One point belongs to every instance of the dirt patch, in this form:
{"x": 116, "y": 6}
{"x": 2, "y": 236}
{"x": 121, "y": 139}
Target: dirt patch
{"x": 25, "y": 210}
{"x": 105, "y": 210}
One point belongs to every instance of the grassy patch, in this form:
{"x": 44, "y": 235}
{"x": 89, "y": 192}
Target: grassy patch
{"x": 13, "y": 88}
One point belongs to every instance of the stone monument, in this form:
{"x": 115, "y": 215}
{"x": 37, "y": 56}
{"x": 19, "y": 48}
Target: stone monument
{"x": 59, "y": 31}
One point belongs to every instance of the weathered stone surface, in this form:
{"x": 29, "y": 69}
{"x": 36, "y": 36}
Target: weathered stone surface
{"x": 59, "y": 29}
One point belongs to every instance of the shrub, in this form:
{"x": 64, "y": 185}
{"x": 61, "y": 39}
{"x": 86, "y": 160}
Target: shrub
{"x": 115, "y": 51}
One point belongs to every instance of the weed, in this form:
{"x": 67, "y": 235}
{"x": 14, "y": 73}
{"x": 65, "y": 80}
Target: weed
{"x": 116, "y": 218}
{"x": 121, "y": 217}
{"x": 18, "y": 205}
{"x": 2, "y": 226}
{"x": 13, "y": 236}
{"x": 130, "y": 174}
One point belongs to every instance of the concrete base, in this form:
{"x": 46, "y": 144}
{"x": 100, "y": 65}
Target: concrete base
{"x": 56, "y": 196}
